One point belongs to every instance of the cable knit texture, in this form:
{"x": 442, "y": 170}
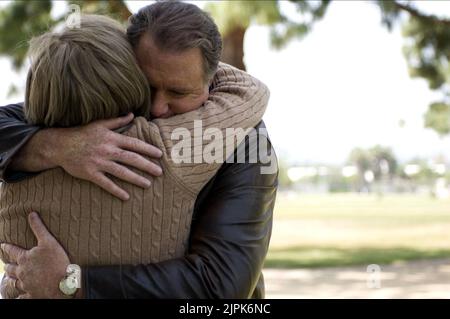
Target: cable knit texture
{"x": 95, "y": 228}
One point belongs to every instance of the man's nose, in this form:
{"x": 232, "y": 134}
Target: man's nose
{"x": 160, "y": 106}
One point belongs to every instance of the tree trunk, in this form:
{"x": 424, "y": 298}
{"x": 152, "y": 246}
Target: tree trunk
{"x": 233, "y": 47}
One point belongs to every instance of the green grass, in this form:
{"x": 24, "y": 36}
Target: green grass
{"x": 341, "y": 230}
{"x": 311, "y": 257}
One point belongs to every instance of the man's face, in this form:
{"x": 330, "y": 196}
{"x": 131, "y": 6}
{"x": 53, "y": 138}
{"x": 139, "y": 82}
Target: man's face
{"x": 176, "y": 79}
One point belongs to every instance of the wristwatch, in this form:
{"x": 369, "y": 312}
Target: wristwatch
{"x": 71, "y": 281}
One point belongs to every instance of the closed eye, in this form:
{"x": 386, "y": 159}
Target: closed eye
{"x": 177, "y": 93}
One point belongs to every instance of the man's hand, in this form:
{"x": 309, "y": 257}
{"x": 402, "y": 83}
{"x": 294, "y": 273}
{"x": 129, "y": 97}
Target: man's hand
{"x": 91, "y": 152}
{"x": 39, "y": 270}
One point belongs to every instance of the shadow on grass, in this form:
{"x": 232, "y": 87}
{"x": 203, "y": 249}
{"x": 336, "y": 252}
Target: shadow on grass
{"x": 312, "y": 257}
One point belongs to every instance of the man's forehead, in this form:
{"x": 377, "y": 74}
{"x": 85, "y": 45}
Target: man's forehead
{"x": 150, "y": 51}
{"x": 172, "y": 81}
{"x": 180, "y": 69}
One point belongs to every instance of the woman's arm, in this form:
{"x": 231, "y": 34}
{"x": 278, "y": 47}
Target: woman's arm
{"x": 236, "y": 103}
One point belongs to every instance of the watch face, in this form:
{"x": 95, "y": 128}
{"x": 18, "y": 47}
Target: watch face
{"x": 72, "y": 282}
{"x": 65, "y": 289}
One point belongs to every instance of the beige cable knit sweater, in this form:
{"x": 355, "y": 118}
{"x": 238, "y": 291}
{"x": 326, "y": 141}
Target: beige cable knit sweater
{"x": 94, "y": 227}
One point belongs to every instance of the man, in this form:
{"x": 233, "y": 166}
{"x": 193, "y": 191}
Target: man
{"x": 178, "y": 47}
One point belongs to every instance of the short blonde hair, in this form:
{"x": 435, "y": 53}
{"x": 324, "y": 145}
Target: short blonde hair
{"x": 84, "y": 74}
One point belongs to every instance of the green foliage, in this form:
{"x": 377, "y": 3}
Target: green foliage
{"x": 378, "y": 159}
{"x": 22, "y": 20}
{"x": 427, "y": 52}
{"x": 116, "y": 9}
{"x": 19, "y": 22}
{"x": 438, "y": 118}
{"x": 360, "y": 158}
{"x": 287, "y": 30}
{"x": 241, "y": 13}
{"x": 427, "y": 36}
{"x": 390, "y": 12}
{"x": 427, "y": 48}
{"x": 382, "y": 159}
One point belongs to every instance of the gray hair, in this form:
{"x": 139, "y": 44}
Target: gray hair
{"x": 84, "y": 74}
{"x": 176, "y": 26}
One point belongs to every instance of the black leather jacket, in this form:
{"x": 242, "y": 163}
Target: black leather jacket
{"x": 229, "y": 238}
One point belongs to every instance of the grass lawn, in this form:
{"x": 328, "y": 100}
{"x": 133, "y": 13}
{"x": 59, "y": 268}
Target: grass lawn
{"x": 351, "y": 229}
{"x": 339, "y": 230}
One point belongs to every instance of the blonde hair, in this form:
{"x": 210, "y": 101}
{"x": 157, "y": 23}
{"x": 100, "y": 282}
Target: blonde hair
{"x": 84, "y": 74}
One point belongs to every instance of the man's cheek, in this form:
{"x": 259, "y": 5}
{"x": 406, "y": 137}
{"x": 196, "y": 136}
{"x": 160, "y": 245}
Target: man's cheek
{"x": 204, "y": 97}
{"x": 186, "y": 105}
{"x": 199, "y": 101}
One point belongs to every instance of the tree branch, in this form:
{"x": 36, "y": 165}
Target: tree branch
{"x": 416, "y": 13}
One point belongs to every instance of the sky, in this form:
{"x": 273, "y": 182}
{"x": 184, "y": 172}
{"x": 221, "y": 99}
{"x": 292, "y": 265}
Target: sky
{"x": 344, "y": 85}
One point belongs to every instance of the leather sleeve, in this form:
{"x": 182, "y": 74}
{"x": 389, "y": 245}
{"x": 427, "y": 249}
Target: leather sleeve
{"x": 229, "y": 240}
{"x": 14, "y": 133}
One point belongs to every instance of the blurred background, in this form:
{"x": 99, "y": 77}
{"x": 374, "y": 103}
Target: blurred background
{"x": 360, "y": 118}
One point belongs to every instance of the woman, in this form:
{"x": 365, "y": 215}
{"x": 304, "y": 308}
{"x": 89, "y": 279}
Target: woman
{"x": 81, "y": 75}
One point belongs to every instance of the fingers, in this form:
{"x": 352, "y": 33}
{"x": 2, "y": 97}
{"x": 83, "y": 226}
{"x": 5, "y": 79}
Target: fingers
{"x": 10, "y": 288}
{"x": 24, "y": 296}
{"x": 139, "y": 162}
{"x": 109, "y": 186}
{"x": 12, "y": 253}
{"x": 39, "y": 229}
{"x": 126, "y": 174}
{"x": 138, "y": 146}
{"x": 15, "y": 284}
{"x": 11, "y": 270}
{"x": 117, "y": 122}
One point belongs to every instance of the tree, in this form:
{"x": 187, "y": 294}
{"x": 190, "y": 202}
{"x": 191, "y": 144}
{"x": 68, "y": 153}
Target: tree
{"x": 383, "y": 162}
{"x": 235, "y": 17}
{"x": 378, "y": 160}
{"x": 360, "y": 158}
{"x": 427, "y": 36}
{"x": 21, "y": 20}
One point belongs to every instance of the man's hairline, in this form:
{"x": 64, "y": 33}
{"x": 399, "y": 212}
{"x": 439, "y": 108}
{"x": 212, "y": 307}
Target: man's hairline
{"x": 207, "y": 78}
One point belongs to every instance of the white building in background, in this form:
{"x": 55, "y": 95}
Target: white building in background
{"x": 441, "y": 188}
